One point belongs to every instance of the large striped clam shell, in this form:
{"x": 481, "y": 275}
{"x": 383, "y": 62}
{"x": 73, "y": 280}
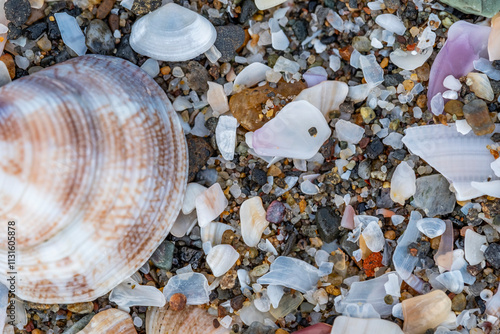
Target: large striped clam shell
{"x": 93, "y": 168}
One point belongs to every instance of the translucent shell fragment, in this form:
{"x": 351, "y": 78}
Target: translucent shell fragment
{"x": 172, "y": 33}
{"x": 425, "y": 311}
{"x": 100, "y": 175}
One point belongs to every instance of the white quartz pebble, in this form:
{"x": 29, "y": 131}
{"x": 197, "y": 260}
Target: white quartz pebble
{"x": 225, "y": 136}
{"x": 210, "y": 204}
{"x": 221, "y": 258}
{"x": 349, "y": 132}
{"x": 403, "y": 183}
{"x": 253, "y": 221}
{"x": 192, "y": 285}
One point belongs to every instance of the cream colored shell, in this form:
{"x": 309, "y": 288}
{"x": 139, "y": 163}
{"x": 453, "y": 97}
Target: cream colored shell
{"x": 192, "y": 319}
{"x": 93, "y": 169}
{"x": 111, "y": 321}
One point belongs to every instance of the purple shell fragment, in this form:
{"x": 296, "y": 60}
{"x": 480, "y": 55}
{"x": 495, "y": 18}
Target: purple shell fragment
{"x": 466, "y": 42}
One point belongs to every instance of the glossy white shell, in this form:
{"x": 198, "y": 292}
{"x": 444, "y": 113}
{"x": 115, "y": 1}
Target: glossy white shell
{"x": 461, "y": 159}
{"x": 93, "y": 169}
{"x": 172, "y": 33}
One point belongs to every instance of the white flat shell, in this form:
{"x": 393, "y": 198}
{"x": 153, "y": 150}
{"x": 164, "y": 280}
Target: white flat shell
{"x": 462, "y": 159}
{"x": 172, "y": 33}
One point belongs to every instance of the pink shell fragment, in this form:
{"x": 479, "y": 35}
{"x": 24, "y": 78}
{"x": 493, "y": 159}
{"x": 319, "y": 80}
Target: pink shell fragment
{"x": 444, "y": 255}
{"x": 348, "y": 218}
{"x": 494, "y": 38}
{"x": 320, "y": 328}
{"x": 466, "y": 42}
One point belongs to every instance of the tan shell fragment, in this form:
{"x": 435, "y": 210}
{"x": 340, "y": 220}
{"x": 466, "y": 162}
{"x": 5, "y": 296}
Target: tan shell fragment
{"x": 190, "y": 320}
{"x": 426, "y": 311}
{"x": 110, "y": 321}
{"x": 93, "y": 169}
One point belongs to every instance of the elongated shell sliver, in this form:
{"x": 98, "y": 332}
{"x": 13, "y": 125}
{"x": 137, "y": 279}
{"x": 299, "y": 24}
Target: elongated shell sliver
{"x": 93, "y": 169}
{"x": 461, "y": 159}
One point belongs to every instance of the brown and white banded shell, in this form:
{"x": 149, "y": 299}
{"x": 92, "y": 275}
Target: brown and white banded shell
{"x": 93, "y": 169}
{"x": 192, "y": 319}
{"x": 111, "y": 321}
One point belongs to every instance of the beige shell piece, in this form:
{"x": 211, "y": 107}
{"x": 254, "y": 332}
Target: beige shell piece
{"x": 493, "y": 46}
{"x": 266, "y": 4}
{"x": 425, "y": 311}
{"x": 110, "y": 321}
{"x": 161, "y": 320}
{"x": 348, "y": 325}
{"x": 93, "y": 169}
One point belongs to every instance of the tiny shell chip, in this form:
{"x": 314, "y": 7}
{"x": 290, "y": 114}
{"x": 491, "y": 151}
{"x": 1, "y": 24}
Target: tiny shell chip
{"x": 391, "y": 22}
{"x": 192, "y": 285}
{"x": 348, "y": 325}
{"x": 298, "y": 132}
{"x": 409, "y": 61}
{"x": 110, "y": 321}
{"x": 210, "y": 204}
{"x": 221, "y": 258}
{"x": 253, "y": 220}
{"x": 431, "y": 227}
{"x": 172, "y": 33}
{"x": 266, "y": 4}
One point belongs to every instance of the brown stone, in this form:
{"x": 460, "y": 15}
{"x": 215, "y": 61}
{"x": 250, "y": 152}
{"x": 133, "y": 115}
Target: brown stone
{"x": 422, "y": 101}
{"x": 104, "y": 8}
{"x": 114, "y": 22}
{"x": 345, "y": 53}
{"x": 454, "y": 107}
{"x": 81, "y": 308}
{"x": 254, "y": 107}
{"x": 177, "y": 302}
{"x": 228, "y": 280}
{"x": 9, "y": 63}
{"x": 199, "y": 150}
{"x": 477, "y": 115}
{"x": 423, "y": 72}
{"x": 36, "y": 14}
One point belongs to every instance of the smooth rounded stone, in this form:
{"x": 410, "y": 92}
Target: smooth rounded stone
{"x": 373, "y": 237}
{"x": 454, "y": 107}
{"x": 199, "y": 150}
{"x": 425, "y": 311}
{"x": 486, "y": 8}
{"x": 326, "y": 96}
{"x": 452, "y": 281}
{"x": 210, "y": 204}
{"x": 361, "y": 43}
{"x": 432, "y": 187}
{"x": 99, "y": 38}
{"x": 221, "y": 258}
{"x": 258, "y": 328}
{"x": 172, "y": 33}
{"x": 130, "y": 293}
{"x": 125, "y": 51}
{"x": 391, "y": 22}
{"x": 253, "y": 220}
{"x": 349, "y": 132}
{"x": 348, "y": 325}
{"x": 17, "y": 11}
{"x": 480, "y": 85}
{"x": 472, "y": 246}
{"x": 229, "y": 39}
{"x": 368, "y": 114}
{"x": 431, "y": 227}
{"x": 300, "y": 29}
{"x": 246, "y": 105}
{"x": 328, "y": 223}
{"x": 477, "y": 115}
{"x": 275, "y": 212}
{"x": 297, "y": 132}
{"x": 192, "y": 285}
{"x": 143, "y": 7}
{"x": 492, "y": 255}
{"x": 163, "y": 256}
{"x": 403, "y": 184}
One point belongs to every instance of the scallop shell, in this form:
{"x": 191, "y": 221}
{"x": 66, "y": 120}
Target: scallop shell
{"x": 93, "y": 169}
{"x": 461, "y": 159}
{"x": 161, "y": 320}
{"x": 172, "y": 33}
{"x": 109, "y": 322}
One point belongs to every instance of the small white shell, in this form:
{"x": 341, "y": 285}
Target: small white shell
{"x": 253, "y": 220}
{"x": 461, "y": 159}
{"x": 431, "y": 227}
{"x": 348, "y": 325}
{"x": 266, "y": 4}
{"x": 326, "y": 96}
{"x": 110, "y": 321}
{"x": 250, "y": 76}
{"x": 192, "y": 285}
{"x": 210, "y": 204}
{"x": 213, "y": 232}
{"x": 221, "y": 258}
{"x": 172, "y": 33}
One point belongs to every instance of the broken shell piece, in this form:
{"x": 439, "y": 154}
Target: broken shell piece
{"x": 409, "y": 61}
{"x": 210, "y": 204}
{"x": 266, "y": 4}
{"x": 213, "y": 232}
{"x": 298, "y": 131}
{"x": 431, "y": 227}
{"x": 373, "y": 237}
{"x": 320, "y": 328}
{"x": 404, "y": 262}
{"x": 192, "y": 191}
{"x": 480, "y": 85}
{"x": 349, "y": 132}
{"x": 192, "y": 285}
{"x": 403, "y": 183}
{"x": 314, "y": 76}
{"x": 452, "y": 280}
{"x": 172, "y": 33}
{"x": 444, "y": 255}
{"x": 225, "y": 136}
{"x": 190, "y": 320}
{"x": 391, "y": 22}
{"x": 472, "y": 247}
{"x": 130, "y": 293}
{"x": 250, "y": 76}
{"x": 217, "y": 98}
{"x": 110, "y": 321}
{"x": 494, "y": 37}
{"x": 221, "y": 258}
{"x": 253, "y": 220}
{"x": 491, "y": 188}
{"x": 348, "y": 325}
{"x": 461, "y": 159}
{"x": 426, "y": 311}
{"x": 326, "y": 96}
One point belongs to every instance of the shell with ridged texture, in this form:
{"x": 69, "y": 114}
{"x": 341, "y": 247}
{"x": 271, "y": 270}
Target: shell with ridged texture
{"x": 192, "y": 319}
{"x": 110, "y": 321}
{"x": 93, "y": 169}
